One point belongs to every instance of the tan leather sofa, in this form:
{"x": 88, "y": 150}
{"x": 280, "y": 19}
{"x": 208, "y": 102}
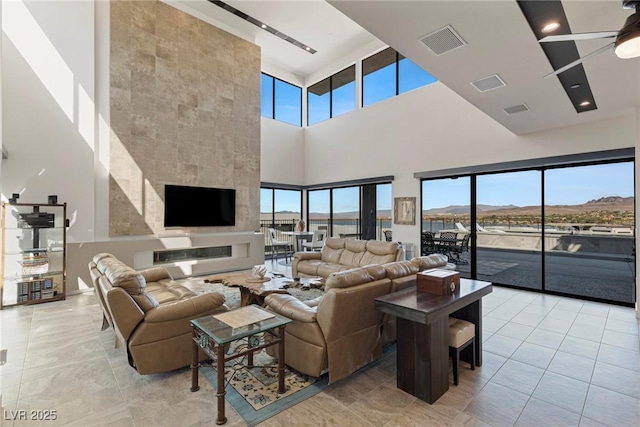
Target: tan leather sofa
{"x": 343, "y": 254}
{"x": 150, "y": 313}
{"x": 341, "y": 330}
{"x": 402, "y": 275}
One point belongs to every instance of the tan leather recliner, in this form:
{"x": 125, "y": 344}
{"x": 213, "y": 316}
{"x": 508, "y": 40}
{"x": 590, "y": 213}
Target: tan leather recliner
{"x": 150, "y": 313}
{"x": 341, "y": 333}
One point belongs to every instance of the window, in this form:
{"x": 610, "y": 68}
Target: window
{"x": 281, "y": 100}
{"x": 379, "y": 77}
{"x": 343, "y": 211}
{"x": 280, "y": 209}
{"x": 319, "y": 102}
{"x": 410, "y": 76}
{"x": 332, "y": 96}
{"x": 566, "y": 229}
{"x": 266, "y": 96}
{"x": 387, "y": 73}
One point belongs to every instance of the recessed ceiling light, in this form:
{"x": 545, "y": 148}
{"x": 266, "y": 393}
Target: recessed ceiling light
{"x": 550, "y": 27}
{"x": 585, "y": 103}
{"x": 240, "y": 14}
{"x": 575, "y": 86}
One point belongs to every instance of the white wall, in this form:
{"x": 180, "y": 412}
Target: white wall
{"x": 282, "y": 159}
{"x": 48, "y": 99}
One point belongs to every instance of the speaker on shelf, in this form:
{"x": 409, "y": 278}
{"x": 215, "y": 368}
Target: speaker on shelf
{"x": 53, "y": 199}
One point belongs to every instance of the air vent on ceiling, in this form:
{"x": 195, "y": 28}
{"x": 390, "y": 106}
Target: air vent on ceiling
{"x": 489, "y": 83}
{"x": 442, "y": 41}
{"x": 516, "y": 109}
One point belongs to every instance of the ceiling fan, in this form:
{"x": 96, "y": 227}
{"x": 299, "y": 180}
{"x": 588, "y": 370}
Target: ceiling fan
{"x": 626, "y": 44}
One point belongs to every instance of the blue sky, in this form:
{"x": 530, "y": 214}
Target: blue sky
{"x": 564, "y": 186}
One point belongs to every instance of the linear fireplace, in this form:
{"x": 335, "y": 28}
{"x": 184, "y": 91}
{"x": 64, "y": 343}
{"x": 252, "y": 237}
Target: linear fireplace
{"x": 189, "y": 254}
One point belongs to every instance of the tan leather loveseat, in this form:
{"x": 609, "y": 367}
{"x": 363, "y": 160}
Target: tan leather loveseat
{"x": 150, "y": 312}
{"x": 343, "y": 254}
{"x": 341, "y": 330}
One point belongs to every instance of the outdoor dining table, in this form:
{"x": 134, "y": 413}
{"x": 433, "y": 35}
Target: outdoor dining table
{"x": 445, "y": 244}
{"x": 299, "y": 237}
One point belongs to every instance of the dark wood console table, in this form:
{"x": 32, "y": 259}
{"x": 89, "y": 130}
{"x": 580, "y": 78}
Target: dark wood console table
{"x": 422, "y": 333}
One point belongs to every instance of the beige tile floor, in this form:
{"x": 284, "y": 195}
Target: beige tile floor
{"x": 548, "y": 361}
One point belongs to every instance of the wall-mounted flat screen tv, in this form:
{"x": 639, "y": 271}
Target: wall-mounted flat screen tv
{"x": 186, "y": 206}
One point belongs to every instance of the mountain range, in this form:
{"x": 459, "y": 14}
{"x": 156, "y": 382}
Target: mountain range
{"x": 608, "y": 203}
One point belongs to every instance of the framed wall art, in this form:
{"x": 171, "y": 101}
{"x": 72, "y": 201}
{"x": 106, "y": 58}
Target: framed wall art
{"x": 404, "y": 210}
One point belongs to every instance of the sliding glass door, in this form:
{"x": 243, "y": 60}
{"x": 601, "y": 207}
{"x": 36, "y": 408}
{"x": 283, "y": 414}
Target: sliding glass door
{"x": 589, "y": 217}
{"x": 509, "y": 227}
{"x": 446, "y": 210}
{"x": 566, "y": 229}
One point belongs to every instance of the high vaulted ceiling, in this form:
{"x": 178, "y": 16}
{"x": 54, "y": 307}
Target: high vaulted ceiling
{"x": 498, "y": 41}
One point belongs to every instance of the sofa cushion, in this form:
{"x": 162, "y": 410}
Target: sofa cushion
{"x": 154, "y": 274}
{"x": 325, "y": 269}
{"x": 309, "y": 267}
{"x": 121, "y": 275}
{"x": 145, "y": 301}
{"x": 355, "y": 276}
{"x": 332, "y": 250}
{"x": 378, "y": 252}
{"x": 98, "y": 257}
{"x": 378, "y": 247}
{"x": 351, "y": 259}
{"x": 166, "y": 290}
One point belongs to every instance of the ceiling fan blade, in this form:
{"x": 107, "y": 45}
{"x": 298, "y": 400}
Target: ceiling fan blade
{"x": 579, "y": 61}
{"x": 579, "y": 36}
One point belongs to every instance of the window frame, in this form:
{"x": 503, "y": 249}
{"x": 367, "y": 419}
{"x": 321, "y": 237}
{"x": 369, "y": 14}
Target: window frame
{"x": 273, "y": 98}
{"x": 331, "y": 77}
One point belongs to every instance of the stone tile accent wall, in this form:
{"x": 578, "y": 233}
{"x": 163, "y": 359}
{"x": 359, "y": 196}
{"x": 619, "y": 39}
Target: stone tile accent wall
{"x": 185, "y": 109}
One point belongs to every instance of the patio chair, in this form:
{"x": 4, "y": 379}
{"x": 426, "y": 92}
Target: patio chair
{"x": 457, "y": 250}
{"x": 428, "y": 245}
{"x": 445, "y": 247}
{"x": 276, "y": 245}
{"x": 317, "y": 241}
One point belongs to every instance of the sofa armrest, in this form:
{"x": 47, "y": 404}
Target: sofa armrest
{"x": 430, "y": 261}
{"x": 307, "y": 255}
{"x": 190, "y": 308}
{"x": 313, "y": 302}
{"x": 126, "y": 313}
{"x": 291, "y": 307}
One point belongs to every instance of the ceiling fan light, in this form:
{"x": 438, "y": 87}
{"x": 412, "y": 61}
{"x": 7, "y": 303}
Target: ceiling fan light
{"x": 628, "y": 48}
{"x": 550, "y": 27}
{"x": 627, "y": 43}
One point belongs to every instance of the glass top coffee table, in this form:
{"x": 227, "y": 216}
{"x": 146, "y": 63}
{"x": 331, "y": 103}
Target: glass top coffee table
{"x": 212, "y": 334}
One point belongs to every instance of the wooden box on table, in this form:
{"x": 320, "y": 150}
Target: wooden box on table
{"x": 438, "y": 281}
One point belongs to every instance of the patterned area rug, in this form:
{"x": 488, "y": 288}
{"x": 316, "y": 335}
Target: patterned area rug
{"x": 252, "y": 392}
